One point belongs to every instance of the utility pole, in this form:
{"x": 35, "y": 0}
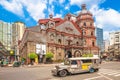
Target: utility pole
{"x": 15, "y": 41}
{"x": 16, "y": 44}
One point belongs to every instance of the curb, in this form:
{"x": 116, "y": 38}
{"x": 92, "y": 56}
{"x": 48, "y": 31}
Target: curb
{"x": 39, "y": 65}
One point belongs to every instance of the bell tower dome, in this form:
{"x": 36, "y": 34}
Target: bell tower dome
{"x": 86, "y": 24}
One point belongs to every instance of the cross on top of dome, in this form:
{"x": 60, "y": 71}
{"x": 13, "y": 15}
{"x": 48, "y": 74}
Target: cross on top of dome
{"x": 83, "y": 6}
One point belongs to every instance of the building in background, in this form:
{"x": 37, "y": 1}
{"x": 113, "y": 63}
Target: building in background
{"x": 114, "y": 48}
{"x": 99, "y": 38}
{"x": 106, "y": 45}
{"x": 10, "y": 35}
{"x": 105, "y": 55}
{"x": 3, "y": 52}
{"x": 6, "y": 34}
{"x": 114, "y": 37}
{"x": 18, "y": 29}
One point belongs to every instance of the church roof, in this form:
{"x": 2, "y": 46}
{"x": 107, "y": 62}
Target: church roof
{"x": 34, "y": 28}
{"x": 44, "y": 21}
{"x": 36, "y": 37}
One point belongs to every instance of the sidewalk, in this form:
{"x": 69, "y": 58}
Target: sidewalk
{"x": 40, "y": 65}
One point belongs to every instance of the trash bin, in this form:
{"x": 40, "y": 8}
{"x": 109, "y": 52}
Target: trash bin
{"x": 16, "y": 64}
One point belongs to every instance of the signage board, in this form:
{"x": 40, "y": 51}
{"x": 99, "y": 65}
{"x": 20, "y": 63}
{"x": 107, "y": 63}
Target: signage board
{"x": 40, "y": 49}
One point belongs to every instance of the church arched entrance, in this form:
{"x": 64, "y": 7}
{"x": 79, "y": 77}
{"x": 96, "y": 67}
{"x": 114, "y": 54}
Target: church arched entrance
{"x": 77, "y": 53}
{"x": 68, "y": 54}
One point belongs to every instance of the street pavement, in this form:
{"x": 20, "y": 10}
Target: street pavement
{"x": 108, "y": 71}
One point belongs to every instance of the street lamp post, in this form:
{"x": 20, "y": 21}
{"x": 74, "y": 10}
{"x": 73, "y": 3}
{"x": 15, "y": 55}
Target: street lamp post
{"x": 15, "y": 53}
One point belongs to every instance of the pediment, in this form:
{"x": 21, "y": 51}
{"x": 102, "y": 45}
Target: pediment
{"x": 68, "y": 27}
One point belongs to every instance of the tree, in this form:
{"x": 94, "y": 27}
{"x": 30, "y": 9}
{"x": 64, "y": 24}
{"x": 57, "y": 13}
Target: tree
{"x": 23, "y": 59}
{"x": 49, "y": 56}
{"x": 32, "y": 55}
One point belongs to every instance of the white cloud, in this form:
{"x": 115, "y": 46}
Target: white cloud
{"x": 58, "y": 16}
{"x": 13, "y": 6}
{"x": 35, "y": 8}
{"x": 89, "y": 3}
{"x": 56, "y": 1}
{"x": 51, "y": 1}
{"x": 106, "y": 35}
{"x": 51, "y": 10}
{"x": 62, "y": 1}
{"x": 67, "y": 7}
{"x": 106, "y": 18}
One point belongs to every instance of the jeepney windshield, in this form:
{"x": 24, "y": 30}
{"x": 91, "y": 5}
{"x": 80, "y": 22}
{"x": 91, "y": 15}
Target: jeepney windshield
{"x": 96, "y": 61}
{"x": 66, "y": 62}
{"x": 87, "y": 61}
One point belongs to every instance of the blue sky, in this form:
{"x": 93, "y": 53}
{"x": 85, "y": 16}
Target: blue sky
{"x": 105, "y": 12}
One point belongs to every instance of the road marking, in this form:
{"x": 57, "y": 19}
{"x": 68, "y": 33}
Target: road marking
{"x": 117, "y": 75}
{"x": 113, "y": 73}
{"x": 93, "y": 78}
{"x": 105, "y": 76}
{"x": 110, "y": 72}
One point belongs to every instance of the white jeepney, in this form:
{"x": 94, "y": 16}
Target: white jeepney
{"x": 77, "y": 65}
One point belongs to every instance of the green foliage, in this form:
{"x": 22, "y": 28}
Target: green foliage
{"x": 84, "y": 55}
{"x": 49, "y": 55}
{"x": 23, "y": 59}
{"x": 32, "y": 55}
{"x": 90, "y": 55}
{"x": 87, "y": 55}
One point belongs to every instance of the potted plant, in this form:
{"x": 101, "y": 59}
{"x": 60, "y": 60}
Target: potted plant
{"x": 32, "y": 57}
{"x": 87, "y": 55}
{"x": 49, "y": 57}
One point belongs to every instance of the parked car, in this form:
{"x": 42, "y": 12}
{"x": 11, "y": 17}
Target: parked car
{"x": 77, "y": 65}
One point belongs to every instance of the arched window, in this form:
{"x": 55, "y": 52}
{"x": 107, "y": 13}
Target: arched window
{"x": 68, "y": 17}
{"x": 92, "y": 33}
{"x": 69, "y": 42}
{"x": 84, "y": 42}
{"x": 59, "y": 41}
{"x": 84, "y": 32}
{"x": 51, "y": 24}
{"x": 93, "y": 43}
{"x": 51, "y": 36}
{"x": 84, "y": 24}
{"x": 77, "y": 43}
{"x": 91, "y": 24}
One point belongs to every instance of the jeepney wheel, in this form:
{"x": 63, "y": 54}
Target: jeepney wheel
{"x": 62, "y": 73}
{"x": 96, "y": 70}
{"x": 91, "y": 70}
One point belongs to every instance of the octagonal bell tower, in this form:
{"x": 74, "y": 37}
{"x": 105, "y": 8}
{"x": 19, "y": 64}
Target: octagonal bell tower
{"x": 86, "y": 24}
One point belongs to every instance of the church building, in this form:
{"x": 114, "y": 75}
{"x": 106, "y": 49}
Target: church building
{"x": 72, "y": 36}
